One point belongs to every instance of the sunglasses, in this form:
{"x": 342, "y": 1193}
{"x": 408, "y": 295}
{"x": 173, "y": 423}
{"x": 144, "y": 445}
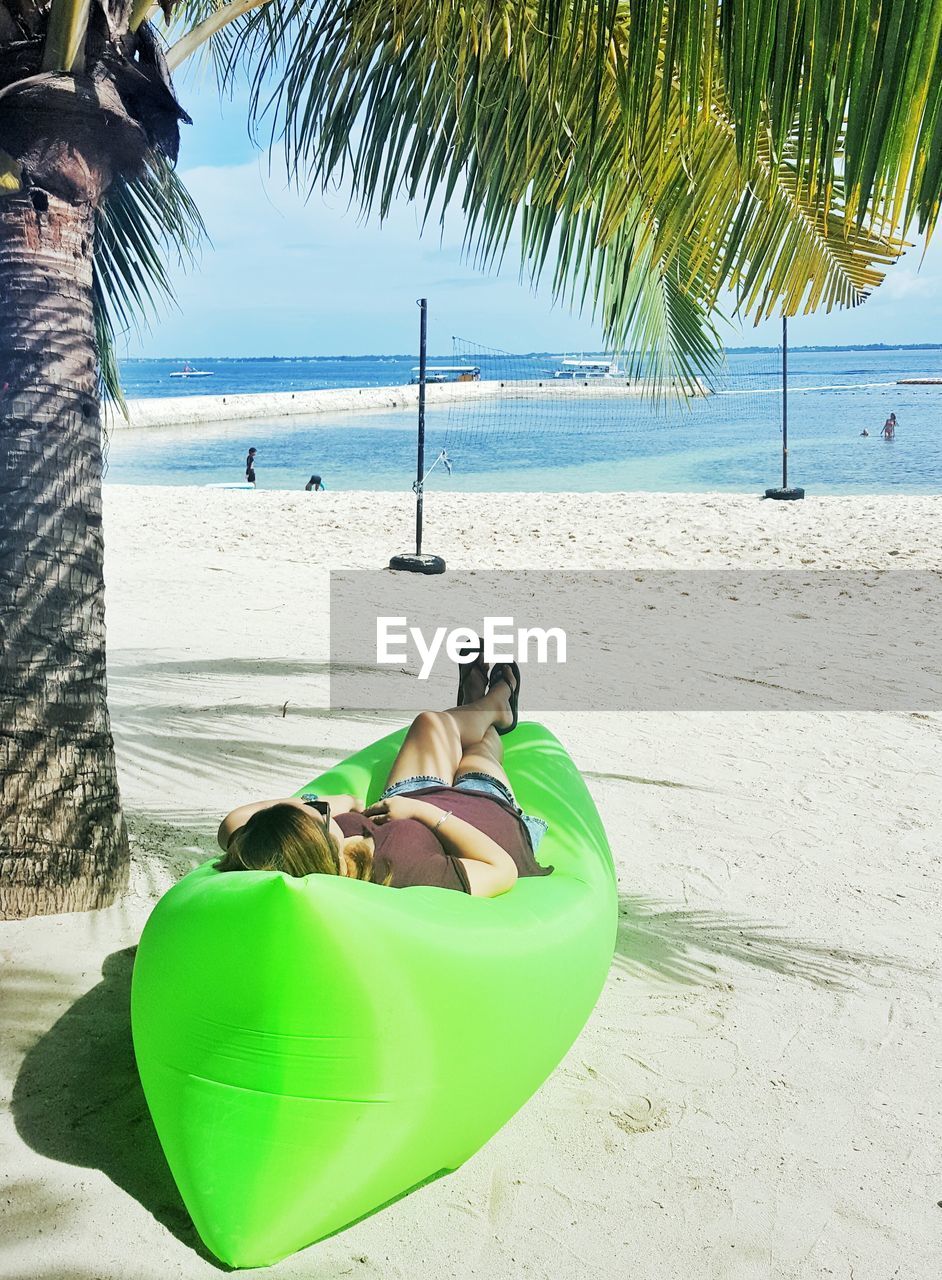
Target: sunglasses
{"x": 323, "y": 808}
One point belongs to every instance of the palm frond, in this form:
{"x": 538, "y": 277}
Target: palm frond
{"x": 652, "y": 311}
{"x": 647, "y": 148}
{"x": 214, "y": 33}
{"x": 658, "y": 308}
{"x": 859, "y": 84}
{"x": 768, "y": 239}
{"x": 210, "y": 32}
{"x": 143, "y": 222}
{"x": 64, "y": 45}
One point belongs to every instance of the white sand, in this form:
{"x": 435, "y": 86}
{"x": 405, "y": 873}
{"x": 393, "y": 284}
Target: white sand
{"x": 757, "y": 1091}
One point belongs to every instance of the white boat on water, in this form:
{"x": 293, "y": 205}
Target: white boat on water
{"x": 577, "y": 367}
{"x": 189, "y": 372}
{"x": 448, "y": 373}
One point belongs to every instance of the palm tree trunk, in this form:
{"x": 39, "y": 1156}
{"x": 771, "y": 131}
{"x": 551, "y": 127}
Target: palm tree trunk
{"x": 63, "y": 844}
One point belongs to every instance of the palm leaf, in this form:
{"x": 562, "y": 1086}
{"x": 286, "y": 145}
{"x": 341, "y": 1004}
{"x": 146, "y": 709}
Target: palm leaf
{"x": 209, "y": 31}
{"x": 141, "y": 224}
{"x": 64, "y": 45}
{"x": 859, "y": 83}
{"x": 649, "y": 149}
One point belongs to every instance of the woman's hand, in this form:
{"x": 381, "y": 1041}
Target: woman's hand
{"x": 396, "y": 807}
{"x": 489, "y": 868}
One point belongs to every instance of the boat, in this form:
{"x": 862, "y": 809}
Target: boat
{"x": 189, "y": 372}
{"x": 447, "y": 373}
{"x": 577, "y": 367}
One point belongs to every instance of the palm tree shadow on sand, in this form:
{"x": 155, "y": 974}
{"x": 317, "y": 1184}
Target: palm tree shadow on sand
{"x": 695, "y": 947}
{"x": 78, "y": 1099}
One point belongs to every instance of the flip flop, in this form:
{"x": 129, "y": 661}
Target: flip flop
{"x": 498, "y": 673}
{"x": 465, "y": 669}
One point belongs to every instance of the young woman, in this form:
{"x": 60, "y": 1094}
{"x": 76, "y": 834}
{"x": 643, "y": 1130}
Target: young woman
{"x": 447, "y": 818}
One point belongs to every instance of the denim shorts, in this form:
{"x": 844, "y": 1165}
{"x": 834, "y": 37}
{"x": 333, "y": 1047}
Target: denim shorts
{"x": 479, "y": 783}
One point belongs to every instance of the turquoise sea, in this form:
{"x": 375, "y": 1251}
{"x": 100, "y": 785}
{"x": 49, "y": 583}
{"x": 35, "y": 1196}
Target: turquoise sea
{"x": 729, "y": 441}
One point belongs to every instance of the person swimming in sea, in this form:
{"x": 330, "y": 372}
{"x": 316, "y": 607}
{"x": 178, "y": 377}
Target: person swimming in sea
{"x": 889, "y": 427}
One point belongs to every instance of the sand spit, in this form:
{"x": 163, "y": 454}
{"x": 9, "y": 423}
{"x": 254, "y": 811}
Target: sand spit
{"x": 174, "y": 411}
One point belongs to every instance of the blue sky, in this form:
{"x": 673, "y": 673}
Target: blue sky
{"x": 285, "y": 277}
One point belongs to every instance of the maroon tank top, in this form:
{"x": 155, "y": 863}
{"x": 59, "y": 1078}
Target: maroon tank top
{"x": 414, "y": 855}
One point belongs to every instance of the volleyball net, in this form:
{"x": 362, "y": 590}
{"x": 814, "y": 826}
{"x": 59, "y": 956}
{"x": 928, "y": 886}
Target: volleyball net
{"x": 538, "y": 395}
{"x": 578, "y": 421}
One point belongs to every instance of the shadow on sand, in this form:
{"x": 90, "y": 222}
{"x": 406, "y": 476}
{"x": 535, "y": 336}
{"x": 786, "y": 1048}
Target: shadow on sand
{"x": 693, "y": 948}
{"x": 78, "y": 1099}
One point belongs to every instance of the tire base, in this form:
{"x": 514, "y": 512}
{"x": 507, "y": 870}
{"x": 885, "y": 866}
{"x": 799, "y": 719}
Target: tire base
{"x": 785, "y": 495}
{"x": 417, "y": 564}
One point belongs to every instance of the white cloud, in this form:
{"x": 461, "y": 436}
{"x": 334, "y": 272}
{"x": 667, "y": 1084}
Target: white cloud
{"x": 909, "y": 283}
{"x": 288, "y": 276}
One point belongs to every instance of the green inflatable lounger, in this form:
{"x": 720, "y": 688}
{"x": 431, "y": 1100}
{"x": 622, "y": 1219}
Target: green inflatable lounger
{"x": 313, "y": 1048}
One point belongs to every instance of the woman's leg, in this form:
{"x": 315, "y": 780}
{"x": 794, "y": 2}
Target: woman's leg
{"x": 486, "y": 756}
{"x": 438, "y": 741}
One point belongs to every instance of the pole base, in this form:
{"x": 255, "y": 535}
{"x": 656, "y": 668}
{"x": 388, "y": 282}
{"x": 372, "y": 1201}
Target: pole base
{"x": 410, "y": 563}
{"x": 785, "y": 495}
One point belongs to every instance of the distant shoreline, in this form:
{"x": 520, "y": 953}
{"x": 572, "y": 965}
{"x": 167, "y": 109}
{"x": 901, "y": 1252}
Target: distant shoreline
{"x": 385, "y": 355}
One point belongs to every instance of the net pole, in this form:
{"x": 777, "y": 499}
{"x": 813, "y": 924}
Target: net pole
{"x": 417, "y": 562}
{"x": 784, "y": 403}
{"x": 420, "y": 443}
{"x": 784, "y": 493}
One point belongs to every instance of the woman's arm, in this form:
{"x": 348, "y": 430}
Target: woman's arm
{"x": 490, "y": 869}
{"x": 240, "y": 816}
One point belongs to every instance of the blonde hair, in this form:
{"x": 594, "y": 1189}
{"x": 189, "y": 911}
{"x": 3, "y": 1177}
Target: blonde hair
{"x": 285, "y": 837}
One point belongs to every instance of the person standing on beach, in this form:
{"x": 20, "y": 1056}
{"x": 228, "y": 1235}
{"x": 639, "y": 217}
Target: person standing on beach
{"x": 889, "y": 427}
{"x": 315, "y": 483}
{"x": 250, "y": 466}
